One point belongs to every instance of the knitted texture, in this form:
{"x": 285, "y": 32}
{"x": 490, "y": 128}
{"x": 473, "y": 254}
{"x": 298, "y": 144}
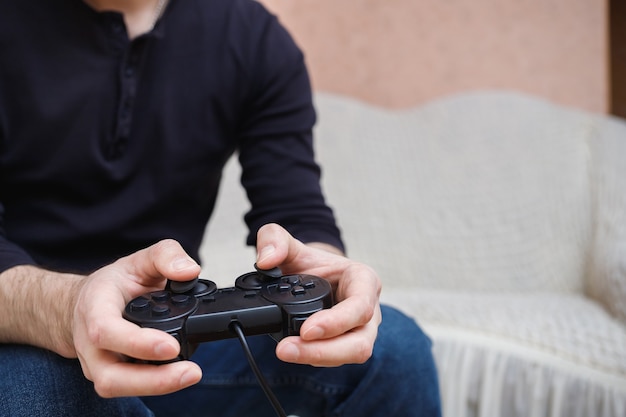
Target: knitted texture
{"x": 568, "y": 326}
{"x": 483, "y": 191}
{"x": 479, "y": 191}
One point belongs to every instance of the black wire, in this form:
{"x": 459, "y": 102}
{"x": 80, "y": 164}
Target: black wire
{"x": 236, "y": 327}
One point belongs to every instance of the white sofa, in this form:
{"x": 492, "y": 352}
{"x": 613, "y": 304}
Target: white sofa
{"x": 498, "y": 221}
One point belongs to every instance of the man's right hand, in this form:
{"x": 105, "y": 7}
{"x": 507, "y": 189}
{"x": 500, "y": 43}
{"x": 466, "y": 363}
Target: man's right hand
{"x": 79, "y": 316}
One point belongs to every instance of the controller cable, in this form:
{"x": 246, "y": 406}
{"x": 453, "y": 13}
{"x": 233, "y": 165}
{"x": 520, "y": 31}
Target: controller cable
{"x": 236, "y": 328}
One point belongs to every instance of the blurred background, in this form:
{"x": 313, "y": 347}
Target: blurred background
{"x": 401, "y": 53}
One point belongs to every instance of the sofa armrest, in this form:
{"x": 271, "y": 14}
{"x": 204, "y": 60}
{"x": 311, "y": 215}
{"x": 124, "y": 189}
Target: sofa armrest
{"x": 606, "y": 277}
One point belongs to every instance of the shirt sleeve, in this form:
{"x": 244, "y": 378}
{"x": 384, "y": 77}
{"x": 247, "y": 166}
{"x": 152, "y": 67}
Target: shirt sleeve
{"x": 11, "y": 254}
{"x": 279, "y": 171}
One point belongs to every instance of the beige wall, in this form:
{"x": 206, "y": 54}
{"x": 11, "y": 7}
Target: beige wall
{"x": 399, "y": 53}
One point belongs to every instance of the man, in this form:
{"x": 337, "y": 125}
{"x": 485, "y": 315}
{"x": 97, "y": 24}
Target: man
{"x": 116, "y": 118}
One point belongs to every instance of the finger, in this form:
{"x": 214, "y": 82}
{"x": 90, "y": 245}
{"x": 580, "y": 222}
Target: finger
{"x": 166, "y": 259}
{"x": 121, "y": 379}
{"x": 104, "y": 362}
{"x": 358, "y": 295}
{"x": 275, "y": 246}
{"x": 349, "y": 314}
{"x": 352, "y": 347}
{"x": 136, "y": 342}
{"x": 104, "y": 328}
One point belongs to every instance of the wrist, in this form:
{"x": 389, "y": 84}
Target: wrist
{"x": 37, "y": 308}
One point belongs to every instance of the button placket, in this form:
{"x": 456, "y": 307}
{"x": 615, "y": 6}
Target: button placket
{"x": 128, "y": 78}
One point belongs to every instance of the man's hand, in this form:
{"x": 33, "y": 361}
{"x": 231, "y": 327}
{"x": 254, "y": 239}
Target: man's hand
{"x": 103, "y": 339}
{"x": 343, "y": 334}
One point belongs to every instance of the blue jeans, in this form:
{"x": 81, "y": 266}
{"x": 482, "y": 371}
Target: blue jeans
{"x": 399, "y": 380}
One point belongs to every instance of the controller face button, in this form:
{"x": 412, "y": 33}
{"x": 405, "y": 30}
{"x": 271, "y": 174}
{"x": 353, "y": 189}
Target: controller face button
{"x": 298, "y": 290}
{"x": 139, "y": 304}
{"x": 250, "y": 294}
{"x": 284, "y": 287}
{"x": 292, "y": 279}
{"x": 160, "y": 310}
{"x": 308, "y": 285}
{"x": 181, "y": 299}
{"x": 159, "y": 296}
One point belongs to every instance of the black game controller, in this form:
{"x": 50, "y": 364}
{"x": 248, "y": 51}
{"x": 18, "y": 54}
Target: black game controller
{"x": 261, "y": 302}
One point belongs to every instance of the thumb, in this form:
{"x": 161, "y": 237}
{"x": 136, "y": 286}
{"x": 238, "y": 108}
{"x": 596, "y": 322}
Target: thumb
{"x": 275, "y": 246}
{"x": 164, "y": 259}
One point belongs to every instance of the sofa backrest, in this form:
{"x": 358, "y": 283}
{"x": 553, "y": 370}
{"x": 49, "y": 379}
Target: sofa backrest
{"x": 477, "y": 191}
{"x": 484, "y": 191}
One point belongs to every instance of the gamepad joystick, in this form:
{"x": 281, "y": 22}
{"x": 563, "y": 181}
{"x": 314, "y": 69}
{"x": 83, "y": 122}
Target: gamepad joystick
{"x": 261, "y": 302}
{"x": 180, "y": 287}
{"x": 269, "y": 274}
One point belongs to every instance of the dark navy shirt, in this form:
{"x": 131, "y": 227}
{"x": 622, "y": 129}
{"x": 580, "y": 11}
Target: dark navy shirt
{"x": 108, "y": 145}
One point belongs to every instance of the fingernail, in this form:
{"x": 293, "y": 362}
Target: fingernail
{"x": 189, "y": 377}
{"x": 165, "y": 350}
{"x": 180, "y": 264}
{"x": 265, "y": 253}
{"x": 314, "y": 333}
{"x": 289, "y": 352}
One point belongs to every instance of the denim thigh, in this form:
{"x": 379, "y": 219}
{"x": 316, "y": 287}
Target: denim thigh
{"x": 39, "y": 383}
